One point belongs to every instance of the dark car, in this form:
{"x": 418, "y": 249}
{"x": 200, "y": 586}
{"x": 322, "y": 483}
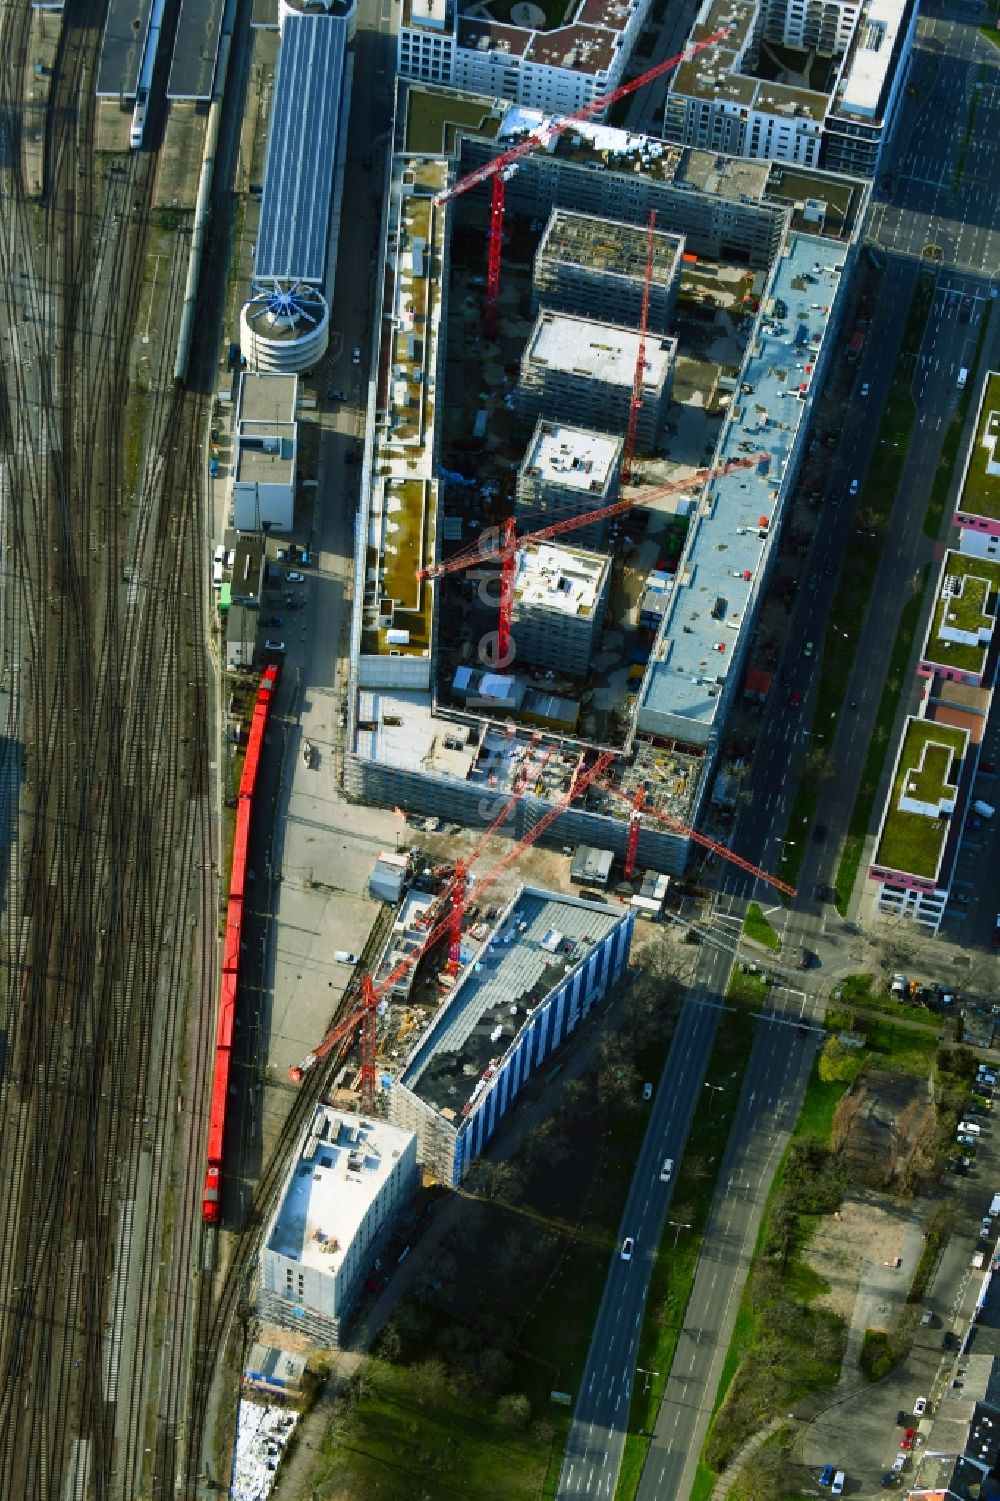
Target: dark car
{"x": 988, "y": 767}
{"x": 826, "y": 1475}
{"x": 794, "y": 699}
{"x": 950, "y": 1340}
{"x": 805, "y": 959}
{"x": 272, "y": 620}
{"x": 819, "y": 833}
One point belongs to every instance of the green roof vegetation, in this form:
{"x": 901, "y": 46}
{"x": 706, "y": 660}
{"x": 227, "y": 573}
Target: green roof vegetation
{"x": 968, "y": 611}
{"x": 913, "y": 842}
{"x": 432, "y": 119}
{"x": 981, "y": 490}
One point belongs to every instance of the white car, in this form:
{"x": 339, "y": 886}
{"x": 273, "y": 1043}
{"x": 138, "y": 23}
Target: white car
{"x": 920, "y": 1407}
{"x": 666, "y": 1171}
{"x": 355, "y": 356}
{"x": 837, "y": 1488}
{"x": 853, "y": 488}
{"x": 647, "y": 1091}
{"x": 865, "y": 389}
{"x": 295, "y": 578}
{"x": 628, "y": 1246}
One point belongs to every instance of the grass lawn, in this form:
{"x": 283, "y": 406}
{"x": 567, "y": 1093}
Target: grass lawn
{"x": 413, "y": 1436}
{"x": 775, "y": 1321}
{"x": 864, "y": 802}
{"x": 759, "y": 929}
{"x": 991, "y": 34}
{"x": 676, "y": 1266}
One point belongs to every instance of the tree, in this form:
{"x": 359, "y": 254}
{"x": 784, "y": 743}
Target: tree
{"x": 838, "y": 1063}
{"x": 390, "y": 1343}
{"x": 514, "y": 1410}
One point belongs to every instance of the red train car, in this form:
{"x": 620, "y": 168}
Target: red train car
{"x": 211, "y": 1195}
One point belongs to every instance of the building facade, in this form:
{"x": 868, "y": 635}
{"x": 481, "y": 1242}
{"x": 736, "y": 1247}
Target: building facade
{"x": 557, "y": 71}
{"x": 568, "y": 471}
{"x": 348, "y": 1182}
{"x": 596, "y": 268}
{"x": 560, "y": 600}
{"x": 546, "y": 964}
{"x": 579, "y": 369}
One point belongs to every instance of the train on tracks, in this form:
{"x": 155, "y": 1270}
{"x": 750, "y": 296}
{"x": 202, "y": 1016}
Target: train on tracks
{"x": 233, "y": 941}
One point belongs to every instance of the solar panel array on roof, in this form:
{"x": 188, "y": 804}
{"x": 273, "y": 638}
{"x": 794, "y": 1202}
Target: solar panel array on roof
{"x": 301, "y": 149}
{"x": 196, "y": 49}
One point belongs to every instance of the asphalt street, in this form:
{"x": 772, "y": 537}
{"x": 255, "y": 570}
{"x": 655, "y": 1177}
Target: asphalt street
{"x": 939, "y": 182}
{"x": 600, "y": 1420}
{"x": 771, "y": 1097}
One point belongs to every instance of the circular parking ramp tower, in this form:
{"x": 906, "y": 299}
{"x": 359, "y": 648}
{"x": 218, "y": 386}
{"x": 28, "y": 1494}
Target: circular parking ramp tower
{"x": 285, "y": 327}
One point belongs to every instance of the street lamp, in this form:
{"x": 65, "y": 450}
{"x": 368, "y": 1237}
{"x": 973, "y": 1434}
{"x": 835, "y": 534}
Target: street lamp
{"x": 677, "y": 1226}
{"x": 719, "y": 1087}
{"x": 641, "y": 1371}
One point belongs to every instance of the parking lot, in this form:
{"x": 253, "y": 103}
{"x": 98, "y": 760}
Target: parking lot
{"x": 878, "y": 1433}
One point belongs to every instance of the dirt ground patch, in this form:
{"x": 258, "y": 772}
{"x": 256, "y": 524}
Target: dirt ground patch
{"x": 866, "y": 1228}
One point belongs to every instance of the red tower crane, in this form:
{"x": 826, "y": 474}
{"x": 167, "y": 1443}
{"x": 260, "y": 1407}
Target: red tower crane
{"x": 503, "y": 544}
{"x": 635, "y": 406}
{"x": 634, "y": 830}
{"x": 641, "y": 806}
{"x": 541, "y": 136}
{"x": 364, "y": 1016}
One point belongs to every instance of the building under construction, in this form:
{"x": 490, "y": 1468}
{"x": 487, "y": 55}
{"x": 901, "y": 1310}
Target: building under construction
{"x": 560, "y": 600}
{"x": 543, "y": 967}
{"x": 581, "y": 369}
{"x": 596, "y": 268}
{"x": 409, "y": 746}
{"x": 566, "y": 472}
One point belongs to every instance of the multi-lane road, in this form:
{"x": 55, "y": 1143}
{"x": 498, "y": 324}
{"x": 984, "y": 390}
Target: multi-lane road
{"x": 600, "y": 1421}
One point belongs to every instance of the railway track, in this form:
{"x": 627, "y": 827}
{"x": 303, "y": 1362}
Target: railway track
{"x": 116, "y": 846}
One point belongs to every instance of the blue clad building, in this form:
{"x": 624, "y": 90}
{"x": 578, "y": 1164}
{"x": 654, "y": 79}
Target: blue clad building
{"x": 546, "y": 963}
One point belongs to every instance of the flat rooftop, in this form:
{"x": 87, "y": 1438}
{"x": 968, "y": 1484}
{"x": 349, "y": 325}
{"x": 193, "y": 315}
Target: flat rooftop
{"x": 540, "y": 938}
{"x": 566, "y": 580}
{"x": 727, "y": 542}
{"x": 863, "y": 81}
{"x": 342, "y": 1164}
{"x": 980, "y": 493}
{"x": 917, "y": 818}
{"x": 403, "y": 504}
{"x": 196, "y": 49}
{"x": 597, "y": 351}
{"x": 302, "y": 148}
{"x": 122, "y": 46}
{"x": 609, "y": 247}
{"x": 961, "y": 629}
{"x": 267, "y": 398}
{"x": 572, "y": 457}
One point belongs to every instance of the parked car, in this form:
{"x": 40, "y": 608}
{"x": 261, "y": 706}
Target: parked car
{"x": 807, "y": 649}
{"x": 966, "y": 1141}
{"x": 272, "y": 620}
{"x": 920, "y": 1407}
{"x": 826, "y": 1475}
{"x": 865, "y": 388}
{"x": 853, "y": 487}
{"x": 812, "y": 583}
{"x": 906, "y": 1442}
{"x": 275, "y": 648}
{"x": 294, "y": 577}
{"x": 336, "y": 394}
{"x": 819, "y": 833}
{"x": 839, "y": 1480}
{"x": 794, "y": 699}
{"x": 355, "y": 356}
{"x": 628, "y": 1246}
{"x": 647, "y": 1091}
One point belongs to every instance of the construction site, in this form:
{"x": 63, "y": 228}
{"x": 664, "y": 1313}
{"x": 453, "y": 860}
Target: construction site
{"x": 486, "y": 448}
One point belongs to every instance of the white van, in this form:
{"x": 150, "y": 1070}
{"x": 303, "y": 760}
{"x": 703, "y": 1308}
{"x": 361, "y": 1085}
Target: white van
{"x": 344, "y": 956}
{"x": 219, "y": 556}
{"x": 216, "y": 575}
{"x": 969, "y": 1128}
{"x": 995, "y": 1205}
{"x": 837, "y": 1488}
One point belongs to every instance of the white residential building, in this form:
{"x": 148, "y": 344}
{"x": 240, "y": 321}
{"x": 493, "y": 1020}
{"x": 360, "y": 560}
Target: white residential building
{"x": 347, "y": 1184}
{"x": 556, "y": 70}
